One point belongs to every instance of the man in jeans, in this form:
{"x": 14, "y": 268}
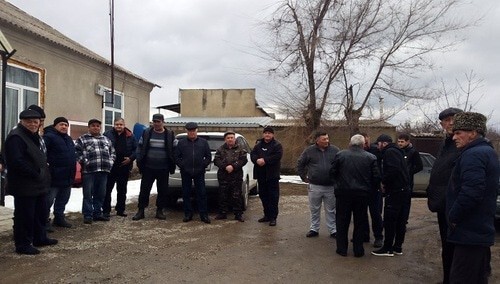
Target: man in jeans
{"x": 96, "y": 155}
{"x": 61, "y": 158}
{"x": 313, "y": 167}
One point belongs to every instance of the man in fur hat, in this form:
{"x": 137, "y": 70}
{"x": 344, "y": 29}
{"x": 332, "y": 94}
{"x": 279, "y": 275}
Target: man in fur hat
{"x": 471, "y": 200}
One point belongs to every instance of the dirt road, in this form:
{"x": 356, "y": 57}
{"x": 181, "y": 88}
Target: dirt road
{"x": 154, "y": 251}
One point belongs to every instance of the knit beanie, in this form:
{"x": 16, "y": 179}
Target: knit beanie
{"x": 60, "y": 119}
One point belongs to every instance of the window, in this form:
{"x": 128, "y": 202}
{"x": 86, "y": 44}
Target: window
{"x": 22, "y": 90}
{"x": 113, "y": 110}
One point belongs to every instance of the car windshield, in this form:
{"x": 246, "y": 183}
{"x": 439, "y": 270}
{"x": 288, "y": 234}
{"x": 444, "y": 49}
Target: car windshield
{"x": 213, "y": 141}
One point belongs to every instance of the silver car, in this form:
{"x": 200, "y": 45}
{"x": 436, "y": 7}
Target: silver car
{"x": 215, "y": 140}
{"x": 421, "y": 179}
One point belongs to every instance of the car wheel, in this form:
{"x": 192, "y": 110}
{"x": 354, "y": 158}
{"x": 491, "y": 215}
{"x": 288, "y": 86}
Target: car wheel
{"x": 245, "y": 190}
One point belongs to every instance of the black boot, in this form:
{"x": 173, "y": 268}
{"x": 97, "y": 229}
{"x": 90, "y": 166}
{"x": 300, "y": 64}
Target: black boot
{"x": 160, "y": 215}
{"x": 139, "y": 215}
{"x": 60, "y": 221}
{"x": 239, "y": 217}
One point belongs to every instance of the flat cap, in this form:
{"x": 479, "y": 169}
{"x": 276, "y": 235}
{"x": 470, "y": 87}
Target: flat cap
{"x": 449, "y": 112}
{"x": 268, "y": 129}
{"x": 158, "y": 116}
{"x": 29, "y": 113}
{"x": 94, "y": 120}
{"x": 191, "y": 125}
{"x": 384, "y": 138}
{"x": 37, "y": 109}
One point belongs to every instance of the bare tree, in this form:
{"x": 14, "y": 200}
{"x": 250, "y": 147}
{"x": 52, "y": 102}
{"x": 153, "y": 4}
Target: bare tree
{"x": 337, "y": 55}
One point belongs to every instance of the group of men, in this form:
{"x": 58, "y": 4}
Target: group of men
{"x": 462, "y": 191}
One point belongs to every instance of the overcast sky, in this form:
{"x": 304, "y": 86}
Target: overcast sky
{"x": 211, "y": 44}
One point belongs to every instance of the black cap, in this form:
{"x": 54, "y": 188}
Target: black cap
{"x": 94, "y": 120}
{"x": 449, "y": 112}
{"x": 384, "y": 138}
{"x": 60, "y": 119}
{"x": 191, "y": 125}
{"x": 37, "y": 109}
{"x": 29, "y": 113}
{"x": 158, "y": 116}
{"x": 268, "y": 129}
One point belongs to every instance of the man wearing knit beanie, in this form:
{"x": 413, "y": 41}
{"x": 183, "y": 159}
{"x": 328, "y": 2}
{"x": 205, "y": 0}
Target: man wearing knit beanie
{"x": 471, "y": 200}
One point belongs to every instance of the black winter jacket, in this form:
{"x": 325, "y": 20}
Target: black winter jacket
{"x": 394, "y": 170}
{"x": 28, "y": 174}
{"x": 61, "y": 156}
{"x": 143, "y": 148}
{"x": 314, "y": 164}
{"x": 440, "y": 175}
{"x": 131, "y": 146}
{"x": 193, "y": 156}
{"x": 272, "y": 152}
{"x": 355, "y": 172}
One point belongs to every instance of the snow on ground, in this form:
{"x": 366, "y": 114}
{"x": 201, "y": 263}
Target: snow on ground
{"x": 75, "y": 201}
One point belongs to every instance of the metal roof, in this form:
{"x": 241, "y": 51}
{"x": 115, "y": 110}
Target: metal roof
{"x": 16, "y": 17}
{"x": 220, "y": 121}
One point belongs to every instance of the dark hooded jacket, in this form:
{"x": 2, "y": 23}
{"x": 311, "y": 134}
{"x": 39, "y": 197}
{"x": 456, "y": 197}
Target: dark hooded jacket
{"x": 394, "y": 170}
{"x": 61, "y": 157}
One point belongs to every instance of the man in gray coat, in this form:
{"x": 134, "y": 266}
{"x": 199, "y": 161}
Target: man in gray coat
{"x": 313, "y": 167}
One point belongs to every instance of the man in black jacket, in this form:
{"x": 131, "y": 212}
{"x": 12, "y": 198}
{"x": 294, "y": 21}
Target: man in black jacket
{"x": 193, "y": 155}
{"x": 155, "y": 161}
{"x": 29, "y": 179}
{"x": 266, "y": 156}
{"x": 438, "y": 183}
{"x": 396, "y": 187}
{"x": 125, "y": 146}
{"x": 355, "y": 173}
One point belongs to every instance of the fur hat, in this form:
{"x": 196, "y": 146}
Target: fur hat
{"x": 470, "y": 121}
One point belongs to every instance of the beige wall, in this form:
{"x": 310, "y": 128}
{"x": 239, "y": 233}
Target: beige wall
{"x": 218, "y": 103}
{"x": 70, "y": 80}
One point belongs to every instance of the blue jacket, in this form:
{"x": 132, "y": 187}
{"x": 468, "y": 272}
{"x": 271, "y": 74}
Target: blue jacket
{"x": 193, "y": 156}
{"x": 61, "y": 157}
{"x": 471, "y": 195}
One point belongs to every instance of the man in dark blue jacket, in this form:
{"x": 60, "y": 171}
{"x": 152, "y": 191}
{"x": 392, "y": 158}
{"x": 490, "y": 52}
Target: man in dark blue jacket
{"x": 61, "y": 157}
{"x": 396, "y": 187}
{"x": 266, "y": 156}
{"x": 471, "y": 200}
{"x": 125, "y": 146}
{"x": 193, "y": 155}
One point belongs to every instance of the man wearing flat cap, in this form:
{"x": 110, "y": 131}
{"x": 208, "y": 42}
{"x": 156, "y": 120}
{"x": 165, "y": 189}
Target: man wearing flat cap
{"x": 266, "y": 156}
{"x": 438, "y": 183}
{"x": 193, "y": 155}
{"x": 29, "y": 180}
{"x": 230, "y": 158}
{"x": 61, "y": 157}
{"x": 155, "y": 160}
{"x": 471, "y": 200}
{"x": 396, "y": 187}
{"x": 96, "y": 155}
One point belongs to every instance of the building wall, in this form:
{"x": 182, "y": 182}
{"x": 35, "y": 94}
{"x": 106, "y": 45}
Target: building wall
{"x": 219, "y": 103}
{"x": 71, "y": 78}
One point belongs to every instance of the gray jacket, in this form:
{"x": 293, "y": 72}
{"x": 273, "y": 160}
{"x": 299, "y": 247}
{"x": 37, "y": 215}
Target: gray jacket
{"x": 314, "y": 164}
